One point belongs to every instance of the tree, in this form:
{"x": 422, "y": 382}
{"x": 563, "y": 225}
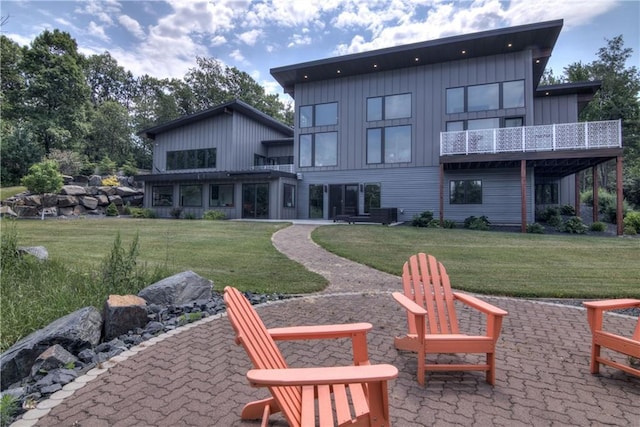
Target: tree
{"x": 12, "y": 83}
{"x": 108, "y": 81}
{"x": 56, "y": 95}
{"x": 42, "y": 178}
{"x": 110, "y": 133}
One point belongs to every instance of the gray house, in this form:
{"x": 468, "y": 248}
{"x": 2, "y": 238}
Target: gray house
{"x": 231, "y": 158}
{"x": 457, "y": 126}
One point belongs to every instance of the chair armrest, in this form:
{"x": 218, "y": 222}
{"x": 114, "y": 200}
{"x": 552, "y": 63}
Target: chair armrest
{"x": 612, "y": 304}
{"x": 480, "y": 305}
{"x": 319, "y": 331}
{"x": 321, "y": 376}
{"x": 409, "y": 305}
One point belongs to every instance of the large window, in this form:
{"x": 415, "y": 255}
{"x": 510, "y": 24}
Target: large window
{"x": 221, "y": 195}
{"x": 316, "y": 201}
{"x": 191, "y": 159}
{"x": 491, "y": 123}
{"x": 389, "y": 145}
{"x": 289, "y": 196}
{"x": 371, "y": 197}
{"x": 319, "y": 149}
{"x": 389, "y": 107}
{"x": 162, "y": 195}
{"x": 492, "y": 96}
{"x": 191, "y": 195}
{"x": 319, "y": 115}
{"x": 462, "y": 192}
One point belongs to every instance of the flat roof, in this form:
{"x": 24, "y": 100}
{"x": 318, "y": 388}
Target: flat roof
{"x": 539, "y": 37}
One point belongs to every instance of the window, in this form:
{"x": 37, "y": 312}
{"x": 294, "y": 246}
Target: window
{"x": 492, "y": 96}
{"x": 319, "y": 149}
{"x": 191, "y": 159}
{"x": 455, "y": 100}
{"x": 221, "y": 195}
{"x": 513, "y": 122}
{"x": 319, "y": 115}
{"x": 455, "y": 126}
{"x": 465, "y": 192}
{"x": 191, "y": 195}
{"x": 483, "y": 97}
{"x": 389, "y": 145}
{"x": 477, "y": 124}
{"x": 371, "y": 197}
{"x": 162, "y": 195}
{"x": 389, "y": 107}
{"x": 289, "y": 196}
{"x": 547, "y": 194}
{"x": 513, "y": 94}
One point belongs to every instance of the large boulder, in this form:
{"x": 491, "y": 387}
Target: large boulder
{"x": 95, "y": 180}
{"x": 74, "y": 332}
{"x": 54, "y": 357}
{"x": 123, "y": 313}
{"x": 40, "y": 252}
{"x": 26, "y": 211}
{"x": 32, "y": 200}
{"x": 182, "y": 288}
{"x": 89, "y": 202}
{"x": 73, "y": 190}
{"x": 126, "y": 192}
{"x": 65, "y": 201}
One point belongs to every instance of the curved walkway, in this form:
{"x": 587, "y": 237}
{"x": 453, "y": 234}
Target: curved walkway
{"x": 194, "y": 376}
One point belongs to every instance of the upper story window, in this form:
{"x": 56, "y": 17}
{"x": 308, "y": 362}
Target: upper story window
{"x": 319, "y": 149}
{"x": 389, "y": 107}
{"x": 490, "y": 123}
{"x": 191, "y": 159}
{"x": 389, "y": 145}
{"x": 492, "y": 96}
{"x": 319, "y": 115}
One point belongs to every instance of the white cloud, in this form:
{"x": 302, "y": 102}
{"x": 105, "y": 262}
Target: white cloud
{"x": 299, "y": 40}
{"x": 250, "y": 37}
{"x": 97, "y": 31}
{"x": 100, "y": 9}
{"x": 238, "y": 57}
{"x": 217, "y": 41}
{"x": 132, "y": 26}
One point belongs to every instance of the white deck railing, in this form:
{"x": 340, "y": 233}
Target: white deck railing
{"x": 281, "y": 168}
{"x": 566, "y": 136}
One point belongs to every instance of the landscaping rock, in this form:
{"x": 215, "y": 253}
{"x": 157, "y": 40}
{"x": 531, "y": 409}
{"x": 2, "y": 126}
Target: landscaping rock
{"x": 81, "y": 180}
{"x": 54, "y": 357}
{"x": 7, "y": 211}
{"x": 49, "y": 199}
{"x": 103, "y": 200}
{"x": 95, "y": 180}
{"x": 182, "y": 288}
{"x": 76, "y": 331}
{"x": 67, "y": 201}
{"x": 116, "y": 200}
{"x": 26, "y": 211}
{"x": 73, "y": 190}
{"x": 109, "y": 191}
{"x": 89, "y": 202}
{"x": 40, "y": 252}
{"x": 32, "y": 200}
{"x": 126, "y": 191}
{"x": 122, "y": 314}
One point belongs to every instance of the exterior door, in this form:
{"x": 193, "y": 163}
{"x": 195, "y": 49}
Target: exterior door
{"x": 343, "y": 200}
{"x": 255, "y": 201}
{"x": 316, "y": 201}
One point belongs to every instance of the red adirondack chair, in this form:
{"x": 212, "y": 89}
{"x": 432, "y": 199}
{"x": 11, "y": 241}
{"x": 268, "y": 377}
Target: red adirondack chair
{"x": 345, "y": 396}
{"x": 433, "y": 323}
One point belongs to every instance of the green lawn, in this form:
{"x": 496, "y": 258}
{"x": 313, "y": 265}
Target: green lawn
{"x": 514, "y": 264}
{"x": 6, "y": 192}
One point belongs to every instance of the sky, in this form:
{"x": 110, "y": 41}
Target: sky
{"x": 164, "y": 38}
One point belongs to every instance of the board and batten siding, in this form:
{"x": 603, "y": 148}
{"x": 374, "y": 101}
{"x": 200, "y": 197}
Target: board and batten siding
{"x": 247, "y": 140}
{"x": 556, "y": 109}
{"x": 501, "y": 198}
{"x": 427, "y": 86}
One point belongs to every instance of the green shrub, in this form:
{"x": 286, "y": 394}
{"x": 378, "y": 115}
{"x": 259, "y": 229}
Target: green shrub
{"x": 422, "y": 220}
{"x": 598, "y": 226}
{"x": 573, "y": 225}
{"x": 477, "y": 223}
{"x": 142, "y": 213}
{"x": 9, "y": 244}
{"x": 69, "y": 162}
{"x": 129, "y": 169}
{"x": 120, "y": 271}
{"x": 112, "y": 210}
{"x": 106, "y": 166}
{"x": 447, "y": 223}
{"x": 607, "y": 204}
{"x": 176, "y": 213}
{"x": 434, "y": 223}
{"x": 548, "y": 213}
{"x": 632, "y": 219}
{"x": 189, "y": 215}
{"x": 8, "y": 408}
{"x": 214, "y": 215}
{"x": 568, "y": 210}
{"x": 630, "y": 230}
{"x": 535, "y": 228}
{"x": 554, "y": 220}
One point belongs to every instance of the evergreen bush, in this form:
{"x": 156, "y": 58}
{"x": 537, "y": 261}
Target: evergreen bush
{"x": 573, "y": 225}
{"x": 112, "y": 210}
{"x": 598, "y": 226}
{"x": 477, "y": 223}
{"x": 214, "y": 215}
{"x": 535, "y": 228}
{"x": 422, "y": 220}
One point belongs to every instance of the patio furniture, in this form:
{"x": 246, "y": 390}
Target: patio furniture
{"x": 433, "y": 324}
{"x": 601, "y": 338}
{"x": 350, "y": 395}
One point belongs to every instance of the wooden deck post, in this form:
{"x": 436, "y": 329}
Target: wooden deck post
{"x": 596, "y": 206}
{"x": 523, "y": 195}
{"x": 577, "y": 193}
{"x": 441, "y": 195}
{"x": 619, "y": 198}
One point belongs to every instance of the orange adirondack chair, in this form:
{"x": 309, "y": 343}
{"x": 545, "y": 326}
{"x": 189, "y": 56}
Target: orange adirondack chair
{"x": 600, "y": 338}
{"x": 432, "y": 321}
{"x": 346, "y": 395}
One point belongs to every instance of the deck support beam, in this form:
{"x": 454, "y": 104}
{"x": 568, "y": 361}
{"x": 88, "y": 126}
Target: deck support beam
{"x": 619, "y": 197}
{"x": 596, "y": 206}
{"x": 441, "y": 195}
{"x": 577, "y": 193}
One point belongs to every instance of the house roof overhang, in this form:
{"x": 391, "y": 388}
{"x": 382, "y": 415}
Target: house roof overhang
{"x": 585, "y": 91}
{"x": 552, "y": 164}
{"x": 540, "y": 38}
{"x": 226, "y": 108}
{"x": 239, "y": 175}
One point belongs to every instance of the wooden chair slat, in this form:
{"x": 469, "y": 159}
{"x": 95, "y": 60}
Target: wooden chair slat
{"x": 325, "y": 409}
{"x": 359, "y": 400}
{"x": 308, "y": 417}
{"x": 341, "y": 401}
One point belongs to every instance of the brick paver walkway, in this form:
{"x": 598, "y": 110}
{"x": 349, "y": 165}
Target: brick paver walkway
{"x": 195, "y": 377}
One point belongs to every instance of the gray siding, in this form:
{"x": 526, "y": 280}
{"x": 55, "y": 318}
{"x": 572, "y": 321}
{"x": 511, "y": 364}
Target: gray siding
{"x": 247, "y": 141}
{"x": 556, "y": 109}
{"x": 501, "y": 199}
